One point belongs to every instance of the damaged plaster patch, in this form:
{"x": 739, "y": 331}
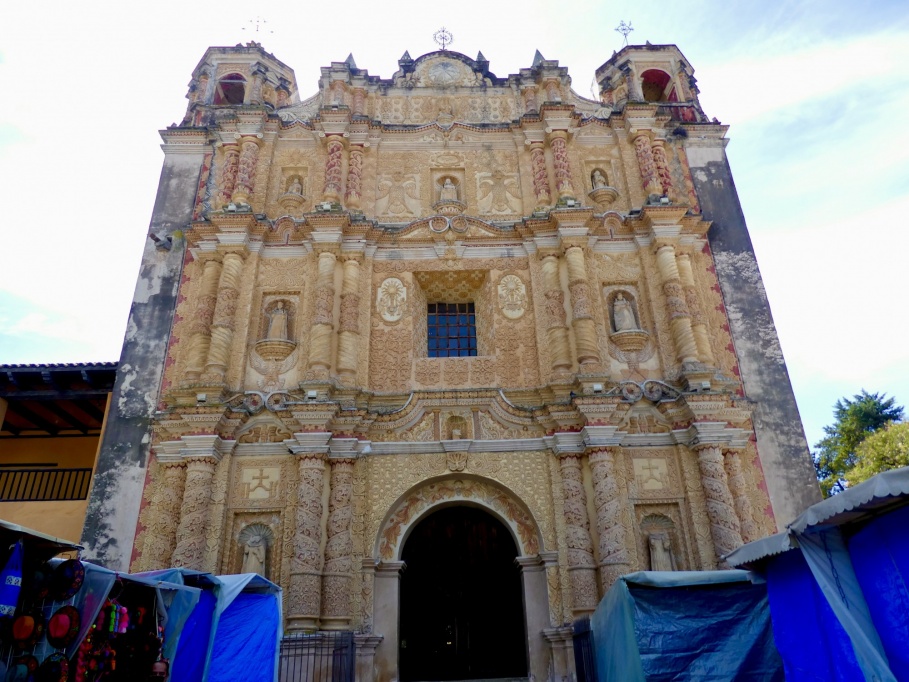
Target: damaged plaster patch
{"x": 110, "y": 517}
{"x": 742, "y": 265}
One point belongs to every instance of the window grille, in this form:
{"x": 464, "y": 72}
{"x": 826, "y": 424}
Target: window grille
{"x": 451, "y": 330}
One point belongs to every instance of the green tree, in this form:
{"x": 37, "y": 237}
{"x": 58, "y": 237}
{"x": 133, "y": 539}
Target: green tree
{"x": 885, "y": 449}
{"x": 854, "y": 420}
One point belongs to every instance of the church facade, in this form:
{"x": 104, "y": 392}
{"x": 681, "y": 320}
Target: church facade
{"x": 446, "y": 307}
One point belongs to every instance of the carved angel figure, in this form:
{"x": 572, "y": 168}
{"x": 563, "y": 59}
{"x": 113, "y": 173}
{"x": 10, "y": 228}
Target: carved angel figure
{"x": 272, "y": 370}
{"x": 398, "y": 190}
{"x": 500, "y": 189}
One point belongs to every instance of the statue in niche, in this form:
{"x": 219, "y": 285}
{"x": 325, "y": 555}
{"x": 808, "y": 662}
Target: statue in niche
{"x": 295, "y": 186}
{"x": 449, "y": 191}
{"x": 277, "y": 322}
{"x": 254, "y": 541}
{"x": 623, "y": 314}
{"x": 598, "y": 179}
{"x": 661, "y": 557}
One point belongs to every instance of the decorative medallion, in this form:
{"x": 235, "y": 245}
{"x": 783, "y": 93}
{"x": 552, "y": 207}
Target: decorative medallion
{"x": 390, "y": 299}
{"x": 512, "y": 296}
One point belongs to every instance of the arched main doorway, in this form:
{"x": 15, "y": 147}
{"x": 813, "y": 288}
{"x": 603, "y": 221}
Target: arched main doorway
{"x": 462, "y": 614}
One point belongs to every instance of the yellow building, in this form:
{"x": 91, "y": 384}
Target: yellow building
{"x": 51, "y": 421}
{"x": 480, "y": 326}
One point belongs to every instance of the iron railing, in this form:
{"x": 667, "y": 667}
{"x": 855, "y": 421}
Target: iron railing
{"x": 42, "y": 485}
{"x": 318, "y": 657}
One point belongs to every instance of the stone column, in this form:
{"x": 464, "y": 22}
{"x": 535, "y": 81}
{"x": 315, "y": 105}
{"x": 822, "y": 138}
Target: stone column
{"x": 200, "y": 325}
{"x": 338, "y": 548}
{"x": 536, "y": 612}
{"x": 246, "y": 172}
{"x": 585, "y": 332}
{"x": 159, "y": 548}
{"x": 349, "y": 322}
{"x": 540, "y": 174}
{"x": 559, "y": 145}
{"x": 367, "y": 592}
{"x": 229, "y": 168}
{"x": 698, "y": 324}
{"x": 387, "y": 619}
{"x": 323, "y": 317}
{"x": 581, "y": 566}
{"x": 679, "y": 317}
{"x": 304, "y": 598}
{"x": 664, "y": 177}
{"x": 561, "y": 641}
{"x": 557, "y": 332}
{"x": 366, "y": 657}
{"x": 739, "y": 490}
{"x": 530, "y": 100}
{"x": 649, "y": 178}
{"x": 609, "y": 501}
{"x": 222, "y": 326}
{"x": 359, "y": 102}
{"x": 724, "y": 524}
{"x": 334, "y": 163}
{"x": 354, "y": 177}
{"x": 194, "y": 513}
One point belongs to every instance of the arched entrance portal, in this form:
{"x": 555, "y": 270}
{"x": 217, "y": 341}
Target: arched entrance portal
{"x": 462, "y": 614}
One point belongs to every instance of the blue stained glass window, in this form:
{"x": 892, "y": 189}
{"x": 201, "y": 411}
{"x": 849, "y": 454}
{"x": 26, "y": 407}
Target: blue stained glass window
{"x": 451, "y": 330}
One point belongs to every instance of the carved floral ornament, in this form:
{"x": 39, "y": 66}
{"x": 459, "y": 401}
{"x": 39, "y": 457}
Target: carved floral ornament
{"x": 390, "y": 299}
{"x": 512, "y": 295}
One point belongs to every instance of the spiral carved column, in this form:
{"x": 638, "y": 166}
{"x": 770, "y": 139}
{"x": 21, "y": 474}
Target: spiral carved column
{"x": 581, "y": 565}
{"x": 540, "y": 174}
{"x": 582, "y": 308}
{"x": 556, "y": 329}
{"x": 194, "y": 513}
{"x": 304, "y": 599}
{"x": 161, "y": 527}
{"x": 222, "y": 327}
{"x": 608, "y": 502}
{"x": 559, "y": 145}
{"x": 739, "y": 490}
{"x": 338, "y": 548}
{"x": 349, "y": 322}
{"x": 333, "y": 169}
{"x": 354, "y": 177}
{"x": 229, "y": 168}
{"x": 644, "y": 151}
{"x": 246, "y": 172}
{"x": 725, "y": 528}
{"x": 698, "y": 323}
{"x": 200, "y": 326}
{"x": 320, "y": 337}
{"x": 679, "y": 316}
{"x": 662, "y": 167}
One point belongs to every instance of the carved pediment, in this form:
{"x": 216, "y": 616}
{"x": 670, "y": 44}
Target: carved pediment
{"x": 446, "y": 70}
{"x": 440, "y": 228}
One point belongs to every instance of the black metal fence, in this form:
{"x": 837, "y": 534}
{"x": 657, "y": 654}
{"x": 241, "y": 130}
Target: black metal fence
{"x": 37, "y": 485}
{"x": 583, "y": 651}
{"x": 319, "y": 657}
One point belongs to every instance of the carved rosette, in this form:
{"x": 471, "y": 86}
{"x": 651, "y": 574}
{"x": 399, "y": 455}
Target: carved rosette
{"x": 540, "y": 175}
{"x": 354, "y": 177}
{"x": 338, "y": 547}
{"x": 561, "y": 164}
{"x": 229, "y": 169}
{"x": 724, "y": 522}
{"x": 304, "y": 598}
{"x": 610, "y": 529}
{"x": 194, "y": 513}
{"x": 739, "y": 490}
{"x": 333, "y": 169}
{"x": 581, "y": 565}
{"x": 644, "y": 152}
{"x": 246, "y": 170}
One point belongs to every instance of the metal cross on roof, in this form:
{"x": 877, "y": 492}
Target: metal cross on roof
{"x": 443, "y": 37}
{"x": 624, "y": 29}
{"x": 257, "y": 23}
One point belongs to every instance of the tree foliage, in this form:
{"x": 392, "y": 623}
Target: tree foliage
{"x": 854, "y": 421}
{"x": 885, "y": 449}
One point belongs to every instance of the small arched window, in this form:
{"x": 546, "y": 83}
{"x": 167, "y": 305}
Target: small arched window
{"x": 231, "y": 89}
{"x": 655, "y": 86}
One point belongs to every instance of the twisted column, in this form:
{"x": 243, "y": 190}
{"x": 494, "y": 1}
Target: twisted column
{"x": 305, "y": 594}
{"x": 724, "y": 523}
{"x": 200, "y": 325}
{"x": 540, "y": 175}
{"x": 222, "y": 326}
{"x": 333, "y": 169}
{"x": 662, "y": 167}
{"x": 649, "y": 178}
{"x": 338, "y": 547}
{"x": 246, "y": 171}
{"x": 556, "y": 330}
{"x": 559, "y": 145}
{"x": 581, "y": 308}
{"x": 679, "y": 317}
{"x": 739, "y": 490}
{"x": 698, "y": 323}
{"x": 581, "y": 566}
{"x": 161, "y": 528}
{"x": 194, "y": 513}
{"x": 229, "y": 168}
{"x": 349, "y": 322}
{"x": 354, "y": 177}
{"x": 608, "y": 502}
{"x": 320, "y": 337}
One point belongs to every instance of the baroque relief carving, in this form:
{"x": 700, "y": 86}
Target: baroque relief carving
{"x": 512, "y": 296}
{"x": 391, "y": 298}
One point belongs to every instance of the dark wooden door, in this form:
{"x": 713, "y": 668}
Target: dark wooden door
{"x": 462, "y": 614}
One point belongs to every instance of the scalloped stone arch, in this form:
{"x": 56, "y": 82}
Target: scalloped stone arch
{"x": 432, "y": 494}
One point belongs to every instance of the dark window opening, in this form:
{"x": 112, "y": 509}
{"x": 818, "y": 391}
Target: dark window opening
{"x": 451, "y": 330}
{"x": 231, "y": 89}
{"x": 653, "y": 86}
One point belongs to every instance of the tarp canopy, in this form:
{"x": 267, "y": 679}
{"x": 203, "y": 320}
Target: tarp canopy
{"x": 38, "y": 546}
{"x": 686, "y": 625}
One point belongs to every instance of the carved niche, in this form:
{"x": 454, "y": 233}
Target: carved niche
{"x": 628, "y": 341}
{"x": 254, "y": 551}
{"x": 601, "y": 191}
{"x": 661, "y": 542}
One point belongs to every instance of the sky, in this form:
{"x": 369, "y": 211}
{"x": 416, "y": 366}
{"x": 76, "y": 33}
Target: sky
{"x": 814, "y": 92}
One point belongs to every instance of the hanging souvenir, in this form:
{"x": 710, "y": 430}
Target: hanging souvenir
{"x": 27, "y": 629}
{"x": 11, "y": 582}
{"x": 55, "y": 668}
{"x": 22, "y": 669}
{"x": 63, "y": 627}
{"x": 67, "y": 580}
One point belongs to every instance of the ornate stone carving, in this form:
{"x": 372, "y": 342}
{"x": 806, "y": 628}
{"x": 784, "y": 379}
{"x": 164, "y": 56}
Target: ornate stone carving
{"x": 390, "y": 359}
{"x": 540, "y": 174}
{"x": 649, "y": 179}
{"x": 338, "y": 546}
{"x": 561, "y": 164}
{"x": 230, "y": 162}
{"x": 398, "y": 195}
{"x": 391, "y": 298}
{"x": 498, "y": 193}
{"x": 608, "y": 502}
{"x": 456, "y": 461}
{"x": 724, "y": 523}
{"x": 255, "y": 540}
{"x": 739, "y": 490}
{"x": 246, "y": 170}
{"x": 333, "y": 169}
{"x": 581, "y": 565}
{"x": 305, "y": 594}
{"x": 512, "y": 296}
{"x": 354, "y": 177}
{"x": 162, "y": 516}
{"x": 194, "y": 513}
